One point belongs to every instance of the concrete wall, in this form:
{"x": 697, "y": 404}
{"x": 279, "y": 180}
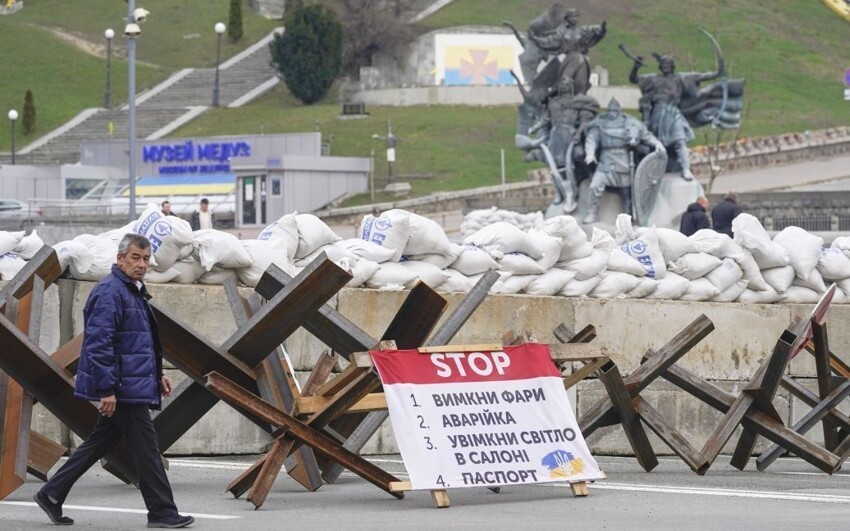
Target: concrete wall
{"x": 626, "y": 329}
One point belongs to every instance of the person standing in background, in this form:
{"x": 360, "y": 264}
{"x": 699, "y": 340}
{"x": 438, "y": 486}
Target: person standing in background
{"x": 166, "y": 208}
{"x": 695, "y": 217}
{"x": 203, "y": 218}
{"x": 723, "y": 214}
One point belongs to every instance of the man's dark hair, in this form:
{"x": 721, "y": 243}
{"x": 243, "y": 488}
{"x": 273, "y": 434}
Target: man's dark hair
{"x": 131, "y": 238}
{"x": 205, "y": 201}
{"x": 166, "y": 202}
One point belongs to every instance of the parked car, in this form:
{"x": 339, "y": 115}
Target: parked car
{"x": 15, "y": 214}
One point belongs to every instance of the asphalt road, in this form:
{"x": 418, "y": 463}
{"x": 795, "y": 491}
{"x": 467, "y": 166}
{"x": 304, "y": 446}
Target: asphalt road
{"x": 791, "y": 494}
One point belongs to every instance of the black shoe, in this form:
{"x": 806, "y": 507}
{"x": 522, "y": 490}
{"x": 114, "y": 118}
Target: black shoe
{"x": 53, "y": 510}
{"x": 173, "y": 522}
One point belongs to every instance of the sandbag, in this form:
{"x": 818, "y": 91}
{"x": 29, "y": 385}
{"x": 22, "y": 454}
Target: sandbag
{"x": 588, "y": 267}
{"x": 116, "y": 235}
{"x": 263, "y": 253}
{"x": 647, "y": 251}
{"x": 285, "y": 232}
{"x": 361, "y": 270}
{"x": 10, "y": 240}
{"x": 711, "y": 242}
{"x": 550, "y": 245}
{"x": 168, "y": 235}
{"x": 732, "y": 292}
{"x": 392, "y": 274}
{"x": 334, "y": 252}
{"x": 574, "y": 242}
{"x": 672, "y": 242}
{"x": 833, "y": 264}
{"x": 427, "y": 273}
{"x": 456, "y": 283}
{"x": 70, "y": 251}
{"x": 841, "y": 243}
{"x": 726, "y": 275}
{"x": 10, "y": 264}
{"x": 694, "y": 265}
{"x": 580, "y": 288}
{"x": 779, "y": 278}
{"x": 513, "y": 284}
{"x": 803, "y": 249}
{"x": 473, "y": 260}
{"x": 312, "y": 234}
{"x": 750, "y": 235}
{"x": 153, "y": 276}
{"x": 549, "y": 283}
{"x": 646, "y": 286}
{"x": 520, "y": 264}
{"x": 426, "y": 237}
{"x": 614, "y": 284}
{"x": 367, "y": 250}
{"x": 814, "y": 282}
{"x": 801, "y": 295}
{"x": 189, "y": 270}
{"x": 222, "y": 249}
{"x": 700, "y": 290}
{"x": 441, "y": 261}
{"x": 390, "y": 230}
{"x": 768, "y": 296}
{"x": 29, "y": 245}
{"x": 671, "y": 287}
{"x": 507, "y": 238}
{"x": 752, "y": 273}
{"x": 218, "y": 275}
{"x": 104, "y": 253}
{"x": 625, "y": 263}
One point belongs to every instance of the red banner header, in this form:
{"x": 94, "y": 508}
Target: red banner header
{"x": 530, "y": 360}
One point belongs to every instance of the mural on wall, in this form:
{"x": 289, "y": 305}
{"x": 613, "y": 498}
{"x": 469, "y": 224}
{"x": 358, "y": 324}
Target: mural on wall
{"x": 475, "y": 59}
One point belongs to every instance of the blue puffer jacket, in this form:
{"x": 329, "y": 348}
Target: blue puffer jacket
{"x": 121, "y": 352}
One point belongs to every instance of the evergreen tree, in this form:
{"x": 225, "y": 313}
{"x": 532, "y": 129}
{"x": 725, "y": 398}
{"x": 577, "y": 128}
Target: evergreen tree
{"x": 234, "y": 21}
{"x": 28, "y": 122}
{"x": 309, "y": 54}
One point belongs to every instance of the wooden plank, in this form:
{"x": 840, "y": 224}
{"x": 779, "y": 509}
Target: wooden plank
{"x": 806, "y": 423}
{"x": 568, "y": 352}
{"x": 241, "y": 399}
{"x": 584, "y": 371}
{"x": 671, "y": 437}
{"x": 579, "y": 489}
{"x": 401, "y": 486}
{"x": 287, "y": 311}
{"x": 622, "y": 404}
{"x": 306, "y": 405}
{"x": 481, "y": 347}
{"x": 328, "y": 325}
{"x": 35, "y": 371}
{"x": 820, "y": 338}
{"x": 600, "y": 414}
{"x": 441, "y": 499}
{"x": 338, "y": 404}
{"x": 43, "y": 454}
{"x": 565, "y": 334}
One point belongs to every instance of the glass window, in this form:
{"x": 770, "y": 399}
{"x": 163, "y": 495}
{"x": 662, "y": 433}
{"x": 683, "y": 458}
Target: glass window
{"x": 276, "y": 188}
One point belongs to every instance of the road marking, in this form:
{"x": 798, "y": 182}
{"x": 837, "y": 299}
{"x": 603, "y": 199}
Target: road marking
{"x": 731, "y": 493}
{"x": 122, "y": 510}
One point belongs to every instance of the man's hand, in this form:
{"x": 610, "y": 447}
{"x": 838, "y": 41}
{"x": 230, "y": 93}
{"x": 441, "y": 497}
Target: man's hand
{"x": 107, "y": 406}
{"x": 165, "y": 383}
{"x": 659, "y": 147}
{"x": 589, "y": 159}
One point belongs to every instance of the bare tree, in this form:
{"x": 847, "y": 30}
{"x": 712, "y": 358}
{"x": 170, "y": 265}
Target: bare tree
{"x": 373, "y": 26}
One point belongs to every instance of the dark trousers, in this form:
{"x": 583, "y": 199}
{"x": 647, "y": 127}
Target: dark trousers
{"x": 134, "y": 422}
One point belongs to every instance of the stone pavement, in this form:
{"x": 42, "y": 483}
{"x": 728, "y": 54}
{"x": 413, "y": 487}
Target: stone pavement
{"x": 790, "y": 496}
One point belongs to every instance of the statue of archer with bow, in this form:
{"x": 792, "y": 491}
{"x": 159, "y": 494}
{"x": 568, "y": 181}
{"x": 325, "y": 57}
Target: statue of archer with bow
{"x": 672, "y": 103}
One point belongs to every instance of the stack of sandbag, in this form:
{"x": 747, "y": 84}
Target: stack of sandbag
{"x": 478, "y": 219}
{"x": 10, "y": 261}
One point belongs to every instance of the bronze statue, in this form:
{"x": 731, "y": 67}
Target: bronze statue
{"x": 671, "y": 103}
{"x": 617, "y": 137}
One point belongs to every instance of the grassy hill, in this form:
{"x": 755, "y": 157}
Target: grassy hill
{"x": 56, "y": 48}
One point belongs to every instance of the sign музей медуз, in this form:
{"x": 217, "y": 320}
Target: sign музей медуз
{"x": 189, "y": 157}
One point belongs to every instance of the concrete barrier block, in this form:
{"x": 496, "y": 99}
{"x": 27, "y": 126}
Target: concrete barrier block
{"x": 46, "y": 424}
{"x": 691, "y": 417}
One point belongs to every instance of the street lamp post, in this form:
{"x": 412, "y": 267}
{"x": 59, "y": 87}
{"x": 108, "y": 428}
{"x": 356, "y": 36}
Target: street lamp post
{"x": 219, "y": 30}
{"x": 13, "y": 116}
{"x": 132, "y": 30}
{"x": 107, "y": 96}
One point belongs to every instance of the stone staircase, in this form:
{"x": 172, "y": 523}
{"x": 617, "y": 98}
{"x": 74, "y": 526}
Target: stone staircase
{"x": 181, "y": 97}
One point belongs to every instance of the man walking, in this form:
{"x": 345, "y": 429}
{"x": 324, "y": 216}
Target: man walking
{"x": 121, "y": 367}
{"x": 723, "y": 214}
{"x": 695, "y": 217}
{"x": 203, "y": 219}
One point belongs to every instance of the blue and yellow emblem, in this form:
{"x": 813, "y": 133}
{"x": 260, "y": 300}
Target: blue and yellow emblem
{"x": 562, "y": 464}
{"x": 479, "y": 65}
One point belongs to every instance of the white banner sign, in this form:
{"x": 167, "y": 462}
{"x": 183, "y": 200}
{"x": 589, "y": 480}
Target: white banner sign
{"x": 472, "y": 419}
